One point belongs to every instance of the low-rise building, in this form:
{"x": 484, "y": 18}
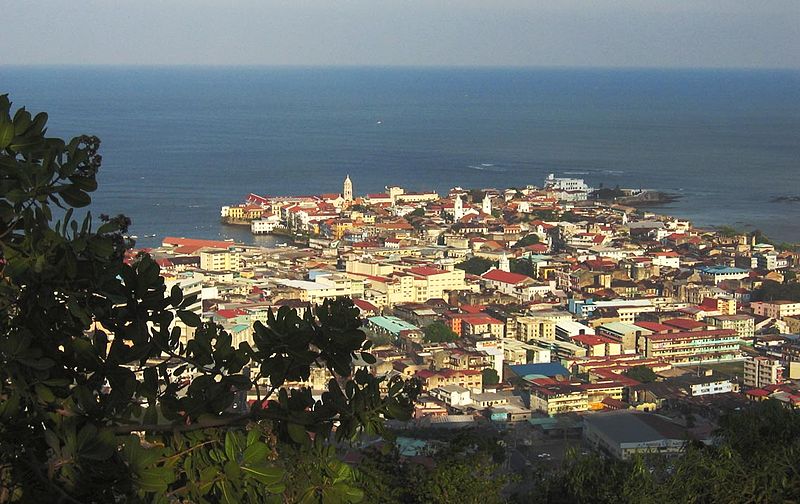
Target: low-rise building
{"x": 625, "y": 433}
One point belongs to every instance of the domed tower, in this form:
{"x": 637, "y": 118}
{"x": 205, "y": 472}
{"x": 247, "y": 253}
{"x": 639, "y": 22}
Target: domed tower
{"x": 486, "y": 205}
{"x": 347, "y": 191}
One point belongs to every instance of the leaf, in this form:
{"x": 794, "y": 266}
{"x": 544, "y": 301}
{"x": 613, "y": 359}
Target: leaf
{"x": 368, "y": 358}
{"x": 154, "y": 479}
{"x": 264, "y": 474}
{"x": 74, "y": 197}
{"x": 230, "y": 445}
{"x": 256, "y": 452}
{"x": 297, "y": 433}
{"x": 191, "y": 319}
{"x": 6, "y": 134}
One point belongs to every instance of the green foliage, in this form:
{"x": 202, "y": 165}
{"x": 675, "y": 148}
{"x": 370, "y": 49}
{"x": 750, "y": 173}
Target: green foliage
{"x": 471, "y": 479}
{"x": 465, "y": 470}
{"x": 774, "y": 291}
{"x": 641, "y": 374}
{"x": 531, "y": 239}
{"x": 417, "y": 212}
{"x": 476, "y": 265}
{"x": 490, "y": 377}
{"x": 100, "y": 398}
{"x": 439, "y": 332}
{"x": 522, "y": 266}
{"x": 728, "y": 231}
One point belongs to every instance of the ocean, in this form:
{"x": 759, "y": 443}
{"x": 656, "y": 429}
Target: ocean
{"x": 179, "y": 142}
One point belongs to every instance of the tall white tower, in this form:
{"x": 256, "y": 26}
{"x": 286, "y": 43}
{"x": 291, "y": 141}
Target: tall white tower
{"x": 347, "y": 191}
{"x": 505, "y": 264}
{"x": 486, "y": 205}
{"x": 458, "y": 208}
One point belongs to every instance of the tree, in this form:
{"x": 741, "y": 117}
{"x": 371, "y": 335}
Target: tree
{"x": 490, "y": 376}
{"x": 522, "y": 266}
{"x": 774, "y": 291}
{"x": 417, "y": 212}
{"x": 100, "y": 398}
{"x": 641, "y": 374}
{"x": 476, "y": 265}
{"x": 438, "y": 332}
{"x": 531, "y": 239}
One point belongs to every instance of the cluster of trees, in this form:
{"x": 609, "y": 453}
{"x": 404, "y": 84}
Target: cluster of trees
{"x": 522, "y": 266}
{"x": 531, "y": 239}
{"x": 464, "y": 468}
{"x": 774, "y": 291}
{"x": 641, "y": 374}
{"x": 101, "y": 400}
{"x": 476, "y": 265}
{"x": 439, "y": 332}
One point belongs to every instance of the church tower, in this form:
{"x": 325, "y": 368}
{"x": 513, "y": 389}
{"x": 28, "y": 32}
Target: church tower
{"x": 347, "y": 191}
{"x": 486, "y": 206}
{"x": 458, "y": 208}
{"x": 505, "y": 264}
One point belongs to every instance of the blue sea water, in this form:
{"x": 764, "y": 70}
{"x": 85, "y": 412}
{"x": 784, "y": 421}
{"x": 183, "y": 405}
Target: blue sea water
{"x": 179, "y": 142}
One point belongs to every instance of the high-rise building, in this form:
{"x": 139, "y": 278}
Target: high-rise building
{"x": 347, "y": 191}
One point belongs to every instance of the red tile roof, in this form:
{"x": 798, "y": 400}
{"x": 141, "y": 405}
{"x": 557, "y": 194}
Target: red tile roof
{"x": 655, "y": 327}
{"x": 684, "y": 323}
{"x": 425, "y": 271}
{"x": 192, "y": 242}
{"x": 497, "y": 275}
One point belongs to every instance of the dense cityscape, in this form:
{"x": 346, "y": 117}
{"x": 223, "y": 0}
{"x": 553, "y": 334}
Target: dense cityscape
{"x": 565, "y": 315}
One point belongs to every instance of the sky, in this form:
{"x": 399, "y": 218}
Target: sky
{"x": 570, "y": 33}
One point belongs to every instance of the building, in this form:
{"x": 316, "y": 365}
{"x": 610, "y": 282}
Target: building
{"x": 625, "y": 433}
{"x": 264, "y": 225}
{"x": 627, "y": 334}
{"x": 567, "y": 329}
{"x": 692, "y": 347}
{"x": 539, "y": 328}
{"x": 468, "y": 378}
{"x": 628, "y": 309}
{"x": 324, "y": 287}
{"x": 762, "y": 371}
{"x": 775, "y": 309}
{"x": 347, "y": 189}
{"x": 220, "y": 260}
{"x": 744, "y": 325}
{"x": 717, "y": 274}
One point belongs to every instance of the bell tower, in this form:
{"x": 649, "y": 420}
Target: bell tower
{"x": 347, "y": 190}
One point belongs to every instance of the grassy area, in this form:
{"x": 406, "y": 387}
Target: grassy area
{"x": 726, "y": 369}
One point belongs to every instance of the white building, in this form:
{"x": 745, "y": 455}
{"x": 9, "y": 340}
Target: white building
{"x": 265, "y": 225}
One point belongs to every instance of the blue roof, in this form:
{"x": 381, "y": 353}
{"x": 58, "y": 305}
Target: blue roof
{"x": 392, "y": 324}
{"x": 721, "y": 270}
{"x": 548, "y": 369}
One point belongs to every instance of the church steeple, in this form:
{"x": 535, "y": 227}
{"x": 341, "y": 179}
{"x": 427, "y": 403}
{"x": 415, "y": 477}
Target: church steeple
{"x": 505, "y": 264}
{"x": 347, "y": 191}
{"x": 458, "y": 208}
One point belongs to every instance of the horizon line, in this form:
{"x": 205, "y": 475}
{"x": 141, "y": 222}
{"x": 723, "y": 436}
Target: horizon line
{"x": 397, "y": 67}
